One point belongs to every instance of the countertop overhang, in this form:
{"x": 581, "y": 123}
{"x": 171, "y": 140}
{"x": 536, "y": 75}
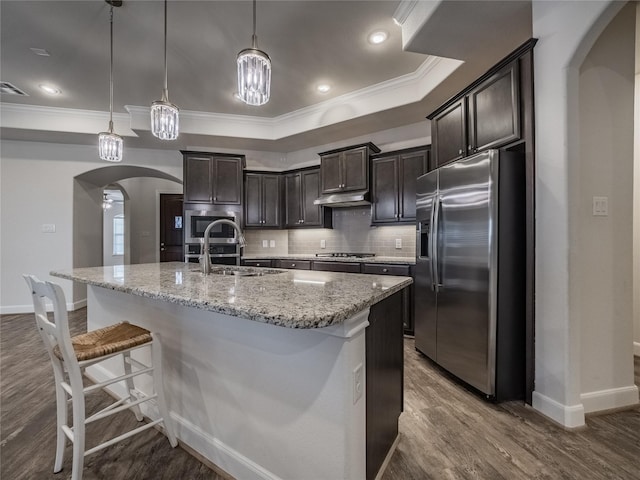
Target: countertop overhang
{"x": 292, "y": 298}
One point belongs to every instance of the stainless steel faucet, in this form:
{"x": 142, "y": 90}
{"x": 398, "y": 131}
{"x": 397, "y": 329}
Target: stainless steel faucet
{"x": 205, "y": 259}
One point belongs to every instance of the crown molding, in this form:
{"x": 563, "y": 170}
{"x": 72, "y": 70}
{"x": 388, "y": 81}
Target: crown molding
{"x": 396, "y": 92}
{"x": 404, "y": 10}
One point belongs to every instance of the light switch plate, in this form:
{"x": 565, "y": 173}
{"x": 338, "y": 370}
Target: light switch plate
{"x": 601, "y": 206}
{"x": 265, "y": 243}
{"x": 48, "y": 228}
{"x": 272, "y": 243}
{"x": 323, "y": 244}
{"x": 398, "y": 243}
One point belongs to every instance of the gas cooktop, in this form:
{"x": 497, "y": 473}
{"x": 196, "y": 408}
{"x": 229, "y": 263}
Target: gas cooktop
{"x": 344, "y": 254}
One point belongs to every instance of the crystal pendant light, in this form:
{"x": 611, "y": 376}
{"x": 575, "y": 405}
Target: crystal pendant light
{"x": 110, "y": 144}
{"x": 165, "y": 115}
{"x": 254, "y": 71}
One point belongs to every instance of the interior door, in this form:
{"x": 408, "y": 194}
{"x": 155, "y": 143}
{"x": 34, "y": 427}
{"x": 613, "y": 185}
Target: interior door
{"x": 171, "y": 228}
{"x": 464, "y": 231}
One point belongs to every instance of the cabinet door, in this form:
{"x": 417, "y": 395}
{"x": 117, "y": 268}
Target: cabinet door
{"x": 384, "y": 208}
{"x": 355, "y": 165}
{"x": 311, "y": 214}
{"x": 293, "y": 215}
{"x": 348, "y": 267}
{"x": 412, "y": 165}
{"x": 450, "y": 134}
{"x": 271, "y": 201}
{"x": 330, "y": 166}
{"x": 227, "y": 181}
{"x": 494, "y": 111}
{"x": 198, "y": 177}
{"x": 253, "y": 200}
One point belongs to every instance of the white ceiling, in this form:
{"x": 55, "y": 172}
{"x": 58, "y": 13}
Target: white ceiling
{"x": 375, "y": 87}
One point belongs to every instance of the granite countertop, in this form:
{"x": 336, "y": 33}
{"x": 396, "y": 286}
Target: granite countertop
{"x": 288, "y": 298}
{"x": 376, "y": 259}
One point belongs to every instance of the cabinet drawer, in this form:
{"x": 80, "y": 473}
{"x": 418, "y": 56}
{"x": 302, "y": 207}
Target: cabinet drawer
{"x": 384, "y": 269}
{"x": 336, "y": 267}
{"x": 296, "y": 264}
{"x": 257, "y": 263}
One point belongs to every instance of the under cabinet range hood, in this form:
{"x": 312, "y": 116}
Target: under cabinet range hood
{"x": 347, "y": 199}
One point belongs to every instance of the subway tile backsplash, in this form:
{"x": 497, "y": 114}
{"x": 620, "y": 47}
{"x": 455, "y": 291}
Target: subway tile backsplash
{"x": 352, "y": 232}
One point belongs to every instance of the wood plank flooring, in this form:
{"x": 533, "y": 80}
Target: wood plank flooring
{"x": 446, "y": 431}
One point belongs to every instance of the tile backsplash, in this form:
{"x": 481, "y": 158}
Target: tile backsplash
{"x": 352, "y": 232}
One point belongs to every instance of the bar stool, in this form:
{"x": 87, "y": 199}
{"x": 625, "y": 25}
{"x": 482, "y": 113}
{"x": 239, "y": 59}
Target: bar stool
{"x": 73, "y": 354}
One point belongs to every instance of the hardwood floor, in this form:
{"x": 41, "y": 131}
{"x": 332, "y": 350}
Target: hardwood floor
{"x": 446, "y": 431}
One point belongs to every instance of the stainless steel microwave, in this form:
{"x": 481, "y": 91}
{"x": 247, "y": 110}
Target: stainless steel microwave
{"x": 197, "y": 221}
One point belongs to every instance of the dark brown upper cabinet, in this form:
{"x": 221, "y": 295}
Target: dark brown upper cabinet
{"x": 213, "y": 178}
{"x": 485, "y": 116}
{"x": 262, "y": 203}
{"x": 301, "y": 189}
{"x": 346, "y": 169}
{"x": 394, "y": 176}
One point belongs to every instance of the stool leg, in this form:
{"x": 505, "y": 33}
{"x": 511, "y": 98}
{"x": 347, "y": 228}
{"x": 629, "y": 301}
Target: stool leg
{"x": 77, "y": 400}
{"x": 156, "y": 358}
{"x": 130, "y": 386}
{"x": 61, "y": 414}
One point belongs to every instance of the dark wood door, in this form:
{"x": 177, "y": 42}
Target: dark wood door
{"x": 494, "y": 111}
{"x": 412, "y": 165}
{"x": 271, "y": 205}
{"x": 385, "y": 190}
{"x": 171, "y": 228}
{"x": 355, "y": 165}
{"x": 293, "y": 214}
{"x": 331, "y": 168}
{"x": 198, "y": 178}
{"x": 449, "y": 133}
{"x": 227, "y": 181}
{"x": 311, "y": 214}
{"x": 253, "y": 200}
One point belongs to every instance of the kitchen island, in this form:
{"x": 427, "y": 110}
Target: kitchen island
{"x": 269, "y": 374}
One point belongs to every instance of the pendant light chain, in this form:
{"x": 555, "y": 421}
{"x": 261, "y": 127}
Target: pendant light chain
{"x": 165, "y": 93}
{"x": 254, "y": 38}
{"x": 111, "y": 72}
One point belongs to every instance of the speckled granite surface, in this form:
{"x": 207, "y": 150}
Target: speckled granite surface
{"x": 289, "y": 298}
{"x": 397, "y": 260}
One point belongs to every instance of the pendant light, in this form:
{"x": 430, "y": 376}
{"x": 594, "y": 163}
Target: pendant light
{"x": 164, "y": 115}
{"x": 110, "y": 144}
{"x": 254, "y": 71}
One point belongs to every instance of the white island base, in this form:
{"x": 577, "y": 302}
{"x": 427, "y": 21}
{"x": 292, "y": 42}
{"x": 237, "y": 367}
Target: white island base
{"x": 257, "y": 400}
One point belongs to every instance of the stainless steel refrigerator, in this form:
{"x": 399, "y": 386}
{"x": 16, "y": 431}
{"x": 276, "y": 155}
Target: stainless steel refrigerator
{"x": 470, "y": 271}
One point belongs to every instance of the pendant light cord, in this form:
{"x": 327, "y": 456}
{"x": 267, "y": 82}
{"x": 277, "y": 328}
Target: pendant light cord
{"x": 165, "y": 92}
{"x": 111, "y": 73}
{"x": 254, "y": 38}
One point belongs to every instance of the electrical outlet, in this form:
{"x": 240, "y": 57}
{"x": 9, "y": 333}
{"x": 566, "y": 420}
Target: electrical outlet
{"x": 601, "y": 206}
{"x": 323, "y": 244}
{"x": 48, "y": 228}
{"x": 398, "y": 243}
{"x": 272, "y": 243}
{"x": 265, "y": 243}
{"x": 358, "y": 383}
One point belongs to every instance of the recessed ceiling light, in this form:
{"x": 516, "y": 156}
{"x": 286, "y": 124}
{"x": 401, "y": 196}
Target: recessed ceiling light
{"x": 378, "y": 37}
{"x": 323, "y": 88}
{"x": 40, "y": 51}
{"x": 49, "y": 89}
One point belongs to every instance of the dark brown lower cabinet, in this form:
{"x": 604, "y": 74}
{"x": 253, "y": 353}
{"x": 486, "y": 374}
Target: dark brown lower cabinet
{"x": 257, "y": 263}
{"x": 336, "y": 266}
{"x": 384, "y": 379}
{"x": 294, "y": 264}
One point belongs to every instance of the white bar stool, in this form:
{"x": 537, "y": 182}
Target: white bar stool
{"x": 73, "y": 354}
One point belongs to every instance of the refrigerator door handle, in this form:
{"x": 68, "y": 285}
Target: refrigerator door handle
{"x": 434, "y": 238}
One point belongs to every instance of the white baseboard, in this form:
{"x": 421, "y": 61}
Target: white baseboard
{"x": 610, "y": 399}
{"x": 16, "y": 309}
{"x": 569, "y": 416}
{"x": 636, "y": 349}
{"x": 211, "y": 448}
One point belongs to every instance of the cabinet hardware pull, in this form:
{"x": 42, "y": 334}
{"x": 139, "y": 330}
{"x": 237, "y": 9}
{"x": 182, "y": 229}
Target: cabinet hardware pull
{"x": 385, "y": 270}
{"x": 460, "y": 152}
{"x": 293, "y": 264}
{"x": 470, "y": 148}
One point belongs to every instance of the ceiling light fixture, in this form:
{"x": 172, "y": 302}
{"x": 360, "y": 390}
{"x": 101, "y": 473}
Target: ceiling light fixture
{"x": 41, "y": 52}
{"x": 107, "y": 202}
{"x": 110, "y": 145}
{"x": 378, "y": 37}
{"x": 323, "y": 88}
{"x": 50, "y": 89}
{"x": 165, "y": 115}
{"x": 254, "y": 71}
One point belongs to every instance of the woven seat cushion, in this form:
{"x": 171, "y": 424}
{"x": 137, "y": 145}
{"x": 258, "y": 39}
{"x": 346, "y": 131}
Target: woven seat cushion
{"x": 105, "y": 341}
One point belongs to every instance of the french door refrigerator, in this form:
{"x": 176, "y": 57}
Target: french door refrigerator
{"x": 470, "y": 271}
